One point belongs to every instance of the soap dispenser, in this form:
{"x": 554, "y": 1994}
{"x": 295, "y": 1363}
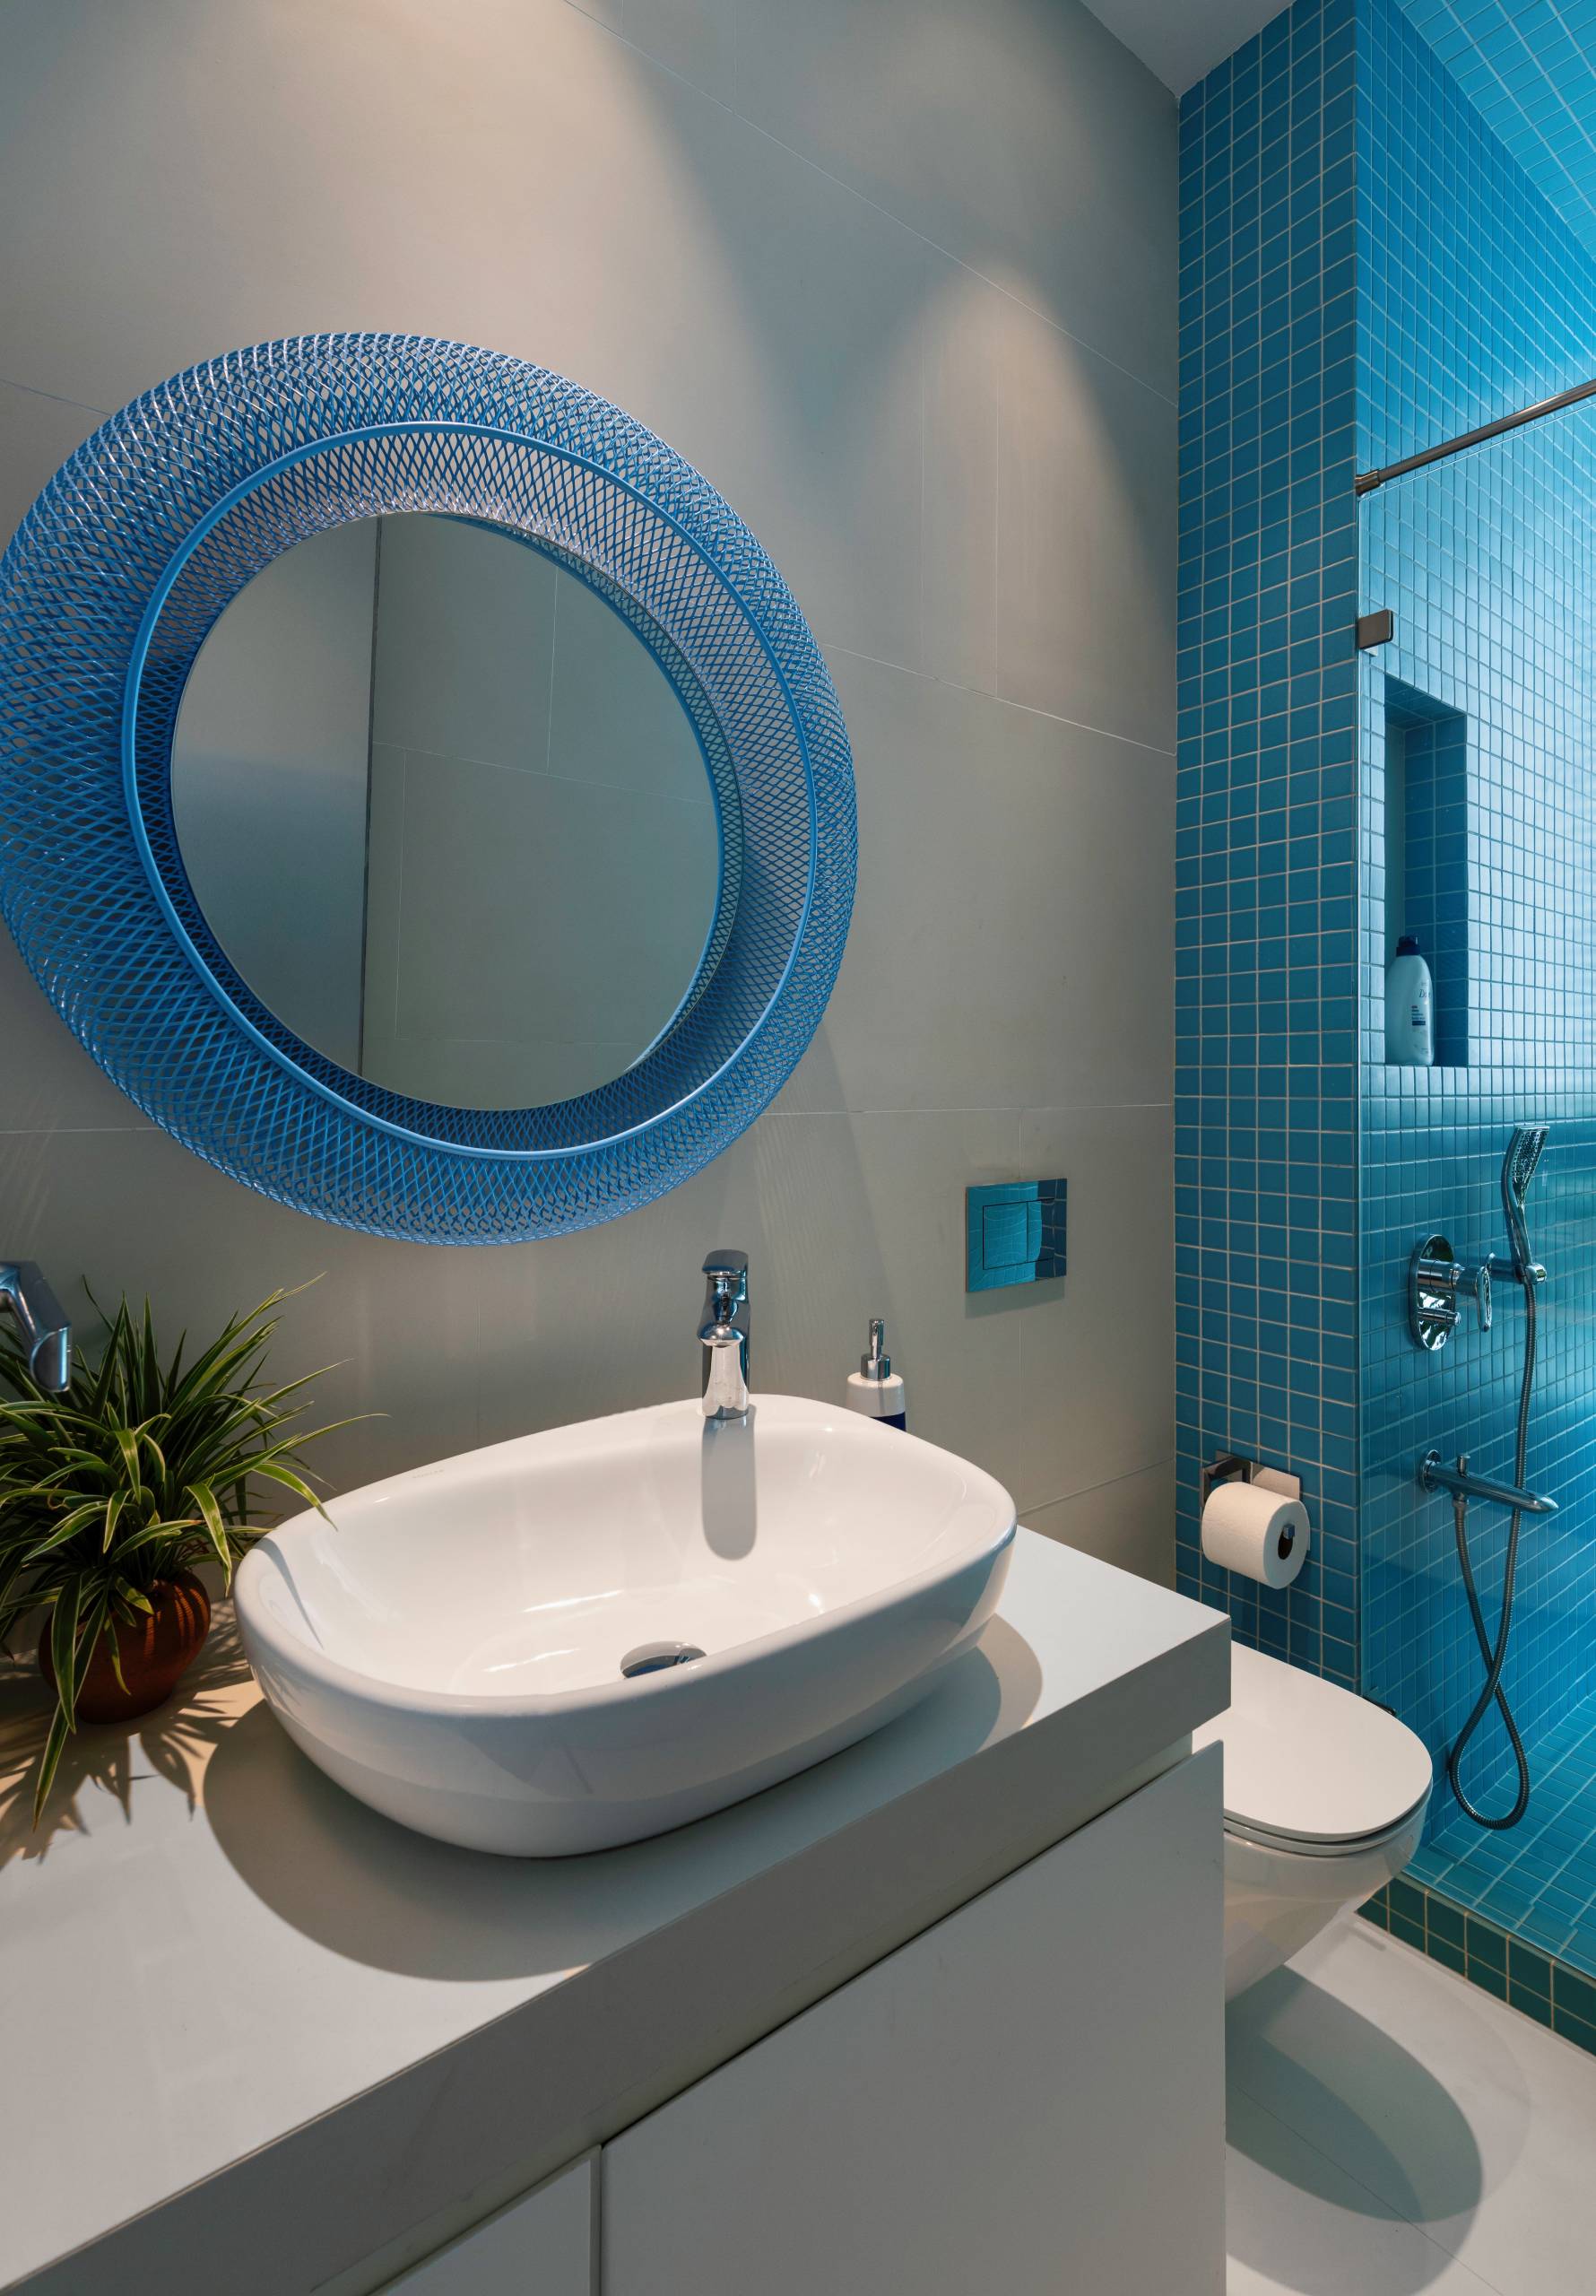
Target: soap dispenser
{"x": 875, "y": 1389}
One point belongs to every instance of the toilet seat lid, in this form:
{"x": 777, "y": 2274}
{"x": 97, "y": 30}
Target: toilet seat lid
{"x": 1306, "y": 1760}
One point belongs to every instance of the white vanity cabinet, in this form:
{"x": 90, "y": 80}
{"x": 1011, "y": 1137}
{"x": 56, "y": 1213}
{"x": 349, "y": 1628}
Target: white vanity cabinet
{"x": 1027, "y": 2097}
{"x": 541, "y": 2245}
{"x": 942, "y": 2015}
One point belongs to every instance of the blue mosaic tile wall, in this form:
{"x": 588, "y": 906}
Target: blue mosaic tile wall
{"x": 1474, "y": 299}
{"x": 1266, "y": 937}
{"x": 1474, "y": 295}
{"x": 1366, "y": 270}
{"x": 1529, "y": 67}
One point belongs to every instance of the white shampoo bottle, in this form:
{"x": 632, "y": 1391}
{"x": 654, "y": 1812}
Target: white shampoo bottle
{"x": 1410, "y": 1008}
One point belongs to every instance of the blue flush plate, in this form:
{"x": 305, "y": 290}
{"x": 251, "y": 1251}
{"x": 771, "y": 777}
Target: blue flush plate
{"x": 1014, "y": 1233}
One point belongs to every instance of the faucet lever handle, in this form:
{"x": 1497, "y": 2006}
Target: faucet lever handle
{"x": 726, "y": 1262}
{"x": 1476, "y": 1282}
{"x": 727, "y": 1272}
{"x": 723, "y": 1333}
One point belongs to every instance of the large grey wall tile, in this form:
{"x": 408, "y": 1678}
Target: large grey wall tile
{"x": 1073, "y": 219}
{"x": 464, "y": 652}
{"x": 385, "y": 901}
{"x": 396, "y": 1324}
{"x": 804, "y": 406}
{"x": 613, "y": 715}
{"x": 1012, "y": 939}
{"x": 695, "y": 39}
{"x": 1095, "y": 1348}
{"x": 534, "y": 907}
{"x": 961, "y": 348}
{"x": 504, "y": 174}
{"x": 37, "y": 434}
{"x": 1129, "y": 1522}
{"x": 610, "y": 13}
{"x": 269, "y": 772}
{"x": 1086, "y": 536}
{"x": 51, "y": 1085}
{"x": 843, "y": 1217}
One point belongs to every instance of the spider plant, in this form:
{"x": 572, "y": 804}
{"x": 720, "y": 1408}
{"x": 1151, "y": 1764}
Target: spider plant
{"x": 143, "y": 1469}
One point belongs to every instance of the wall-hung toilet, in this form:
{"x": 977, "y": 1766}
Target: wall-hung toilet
{"x": 1324, "y": 1802}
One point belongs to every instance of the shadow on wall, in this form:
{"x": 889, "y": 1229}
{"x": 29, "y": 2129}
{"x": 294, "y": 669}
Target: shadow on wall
{"x": 1349, "y": 2119}
{"x": 959, "y": 361}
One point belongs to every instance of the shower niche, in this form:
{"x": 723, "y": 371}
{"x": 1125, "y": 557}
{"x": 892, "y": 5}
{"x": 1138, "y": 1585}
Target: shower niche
{"x": 1426, "y": 852}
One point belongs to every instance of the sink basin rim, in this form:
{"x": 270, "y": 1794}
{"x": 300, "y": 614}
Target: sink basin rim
{"x": 274, "y": 1549}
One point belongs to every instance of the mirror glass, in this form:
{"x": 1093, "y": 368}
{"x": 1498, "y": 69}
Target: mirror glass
{"x": 445, "y": 814}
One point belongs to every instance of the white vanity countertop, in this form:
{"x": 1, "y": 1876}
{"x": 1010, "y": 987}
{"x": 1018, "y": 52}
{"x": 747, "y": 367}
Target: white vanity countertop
{"x": 255, "y": 2036}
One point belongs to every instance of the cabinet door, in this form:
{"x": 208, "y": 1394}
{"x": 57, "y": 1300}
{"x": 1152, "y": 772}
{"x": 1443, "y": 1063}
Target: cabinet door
{"x": 541, "y": 2245}
{"x": 1028, "y": 2098}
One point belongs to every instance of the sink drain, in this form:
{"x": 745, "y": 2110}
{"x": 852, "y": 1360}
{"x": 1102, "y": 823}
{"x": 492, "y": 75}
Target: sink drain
{"x": 653, "y": 1657}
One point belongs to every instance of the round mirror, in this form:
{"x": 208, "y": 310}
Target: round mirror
{"x": 445, "y": 813}
{"x": 418, "y": 790}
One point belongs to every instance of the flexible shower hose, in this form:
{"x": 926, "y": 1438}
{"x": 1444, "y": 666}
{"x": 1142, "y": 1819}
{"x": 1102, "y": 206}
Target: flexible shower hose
{"x": 1495, "y": 1657}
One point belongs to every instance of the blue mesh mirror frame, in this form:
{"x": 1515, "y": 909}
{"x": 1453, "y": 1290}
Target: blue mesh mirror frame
{"x": 106, "y": 593}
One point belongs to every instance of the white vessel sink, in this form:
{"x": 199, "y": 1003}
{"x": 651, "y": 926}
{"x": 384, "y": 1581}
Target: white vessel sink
{"x": 452, "y": 1645}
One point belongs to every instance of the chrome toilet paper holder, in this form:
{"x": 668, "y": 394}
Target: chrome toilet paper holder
{"x": 1229, "y": 1466}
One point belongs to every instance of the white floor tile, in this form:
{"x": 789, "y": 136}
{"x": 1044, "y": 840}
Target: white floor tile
{"x": 1298, "y": 2223}
{"x": 1390, "y": 2120}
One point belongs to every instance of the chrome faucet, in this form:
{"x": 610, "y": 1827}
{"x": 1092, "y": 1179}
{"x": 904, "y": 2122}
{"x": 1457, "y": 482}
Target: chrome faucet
{"x": 47, "y": 1335}
{"x": 723, "y": 1335}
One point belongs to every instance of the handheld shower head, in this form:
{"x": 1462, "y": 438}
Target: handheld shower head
{"x": 1525, "y": 1151}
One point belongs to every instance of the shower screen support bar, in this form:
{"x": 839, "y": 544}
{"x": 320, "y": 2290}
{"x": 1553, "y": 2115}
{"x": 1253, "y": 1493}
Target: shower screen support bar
{"x": 1366, "y": 481}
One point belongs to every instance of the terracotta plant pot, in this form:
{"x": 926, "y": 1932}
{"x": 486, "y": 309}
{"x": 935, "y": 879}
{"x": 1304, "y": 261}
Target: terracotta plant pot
{"x": 154, "y": 1651}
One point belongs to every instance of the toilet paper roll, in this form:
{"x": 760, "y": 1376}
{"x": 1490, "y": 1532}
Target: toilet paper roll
{"x": 1256, "y": 1532}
